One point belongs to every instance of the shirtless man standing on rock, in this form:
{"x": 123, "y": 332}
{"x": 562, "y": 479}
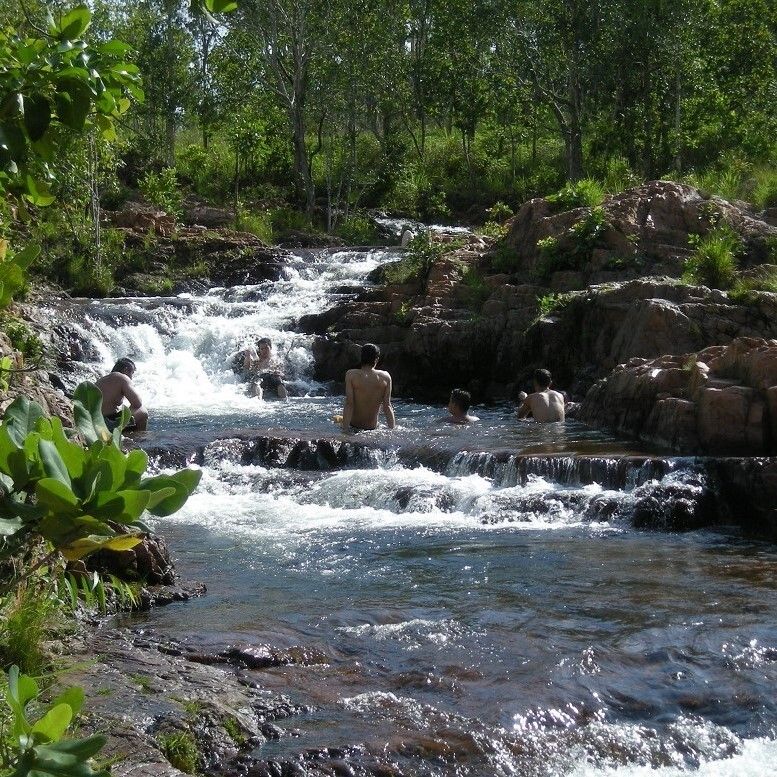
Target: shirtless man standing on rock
{"x": 545, "y": 405}
{"x": 366, "y": 391}
{"x": 116, "y": 387}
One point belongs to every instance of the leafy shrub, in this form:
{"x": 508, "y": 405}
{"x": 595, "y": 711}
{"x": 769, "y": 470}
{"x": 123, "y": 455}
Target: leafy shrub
{"x": 714, "y": 260}
{"x": 12, "y": 270}
{"x": 180, "y": 750}
{"x": 478, "y": 291}
{"x": 87, "y": 278}
{"x": 37, "y": 746}
{"x": 163, "y": 191}
{"x": 499, "y": 212}
{"x": 402, "y": 316}
{"x": 583, "y": 193}
{"x": 618, "y": 176}
{"x": 549, "y": 303}
{"x": 358, "y": 230}
{"x": 289, "y": 220}
{"x": 69, "y": 495}
{"x": 259, "y": 224}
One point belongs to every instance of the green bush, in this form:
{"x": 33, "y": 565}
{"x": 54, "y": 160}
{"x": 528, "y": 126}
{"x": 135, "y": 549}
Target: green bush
{"x": 549, "y": 303}
{"x": 259, "y": 224}
{"x": 617, "y": 176}
{"x": 760, "y": 279}
{"x": 358, "y": 230}
{"x": 714, "y": 260}
{"x": 581, "y": 194}
{"x": 71, "y": 496}
{"x": 163, "y": 191}
{"x": 37, "y": 747}
{"x": 478, "y": 291}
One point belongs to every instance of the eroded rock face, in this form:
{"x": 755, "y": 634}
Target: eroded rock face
{"x": 651, "y": 222}
{"x": 720, "y": 400}
{"x": 36, "y": 385}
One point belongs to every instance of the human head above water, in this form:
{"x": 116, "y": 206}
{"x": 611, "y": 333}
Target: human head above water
{"x": 542, "y": 379}
{"x": 125, "y": 366}
{"x": 370, "y": 355}
{"x": 264, "y": 341}
{"x": 461, "y": 399}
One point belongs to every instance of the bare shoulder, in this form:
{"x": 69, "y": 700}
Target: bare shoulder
{"x": 558, "y": 395}
{"x": 384, "y": 375}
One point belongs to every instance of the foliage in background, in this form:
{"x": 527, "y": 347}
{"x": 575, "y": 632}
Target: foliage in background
{"x": 162, "y": 190}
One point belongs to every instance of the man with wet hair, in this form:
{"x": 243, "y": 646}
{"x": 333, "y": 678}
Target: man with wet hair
{"x": 261, "y": 368}
{"x": 117, "y": 387}
{"x": 458, "y": 407}
{"x": 367, "y": 390}
{"x": 545, "y": 405}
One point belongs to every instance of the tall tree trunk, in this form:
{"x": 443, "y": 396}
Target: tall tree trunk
{"x": 304, "y": 182}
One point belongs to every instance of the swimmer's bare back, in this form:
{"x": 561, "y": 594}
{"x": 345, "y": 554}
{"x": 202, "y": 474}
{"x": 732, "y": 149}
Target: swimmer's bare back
{"x": 366, "y": 391}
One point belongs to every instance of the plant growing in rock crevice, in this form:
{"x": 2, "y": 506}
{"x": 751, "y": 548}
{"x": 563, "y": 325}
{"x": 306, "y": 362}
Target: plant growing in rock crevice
{"x": 573, "y": 249}
{"x": 714, "y": 262}
{"x": 181, "y": 751}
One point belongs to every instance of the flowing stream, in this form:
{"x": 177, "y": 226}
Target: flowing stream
{"x": 480, "y": 612}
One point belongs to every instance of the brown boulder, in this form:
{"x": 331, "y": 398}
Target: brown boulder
{"x": 721, "y": 400}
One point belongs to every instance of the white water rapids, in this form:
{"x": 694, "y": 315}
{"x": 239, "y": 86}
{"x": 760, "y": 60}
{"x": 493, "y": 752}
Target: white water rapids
{"x": 481, "y": 619}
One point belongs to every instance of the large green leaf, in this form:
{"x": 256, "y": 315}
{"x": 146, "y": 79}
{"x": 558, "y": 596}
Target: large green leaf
{"x": 183, "y": 483}
{"x": 73, "y": 101}
{"x": 58, "y": 498}
{"x": 8, "y": 445}
{"x": 74, "y": 23}
{"x": 20, "y": 418}
{"x": 37, "y": 193}
{"x": 53, "y": 724}
{"x": 27, "y": 255}
{"x": 73, "y": 697}
{"x": 66, "y": 758}
{"x": 37, "y": 116}
{"x": 74, "y": 456}
{"x": 53, "y": 465}
{"x": 87, "y": 413}
{"x": 121, "y": 506}
{"x": 137, "y": 463}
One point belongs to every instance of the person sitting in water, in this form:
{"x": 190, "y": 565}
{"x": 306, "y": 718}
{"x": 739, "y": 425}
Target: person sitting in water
{"x": 458, "y": 408}
{"x": 261, "y": 368}
{"x": 545, "y": 405}
{"x": 367, "y": 389}
{"x": 117, "y": 387}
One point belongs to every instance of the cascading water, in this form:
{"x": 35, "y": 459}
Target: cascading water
{"x": 484, "y": 601}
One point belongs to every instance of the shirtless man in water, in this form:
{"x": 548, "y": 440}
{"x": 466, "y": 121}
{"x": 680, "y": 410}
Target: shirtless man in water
{"x": 262, "y": 368}
{"x": 545, "y": 405}
{"x": 116, "y": 387}
{"x": 366, "y": 391}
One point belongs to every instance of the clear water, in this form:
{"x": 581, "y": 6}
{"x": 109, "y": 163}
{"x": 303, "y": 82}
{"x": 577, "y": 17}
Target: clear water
{"x": 471, "y": 626}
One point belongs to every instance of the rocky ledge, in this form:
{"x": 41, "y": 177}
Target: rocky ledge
{"x": 485, "y": 316}
{"x": 721, "y": 400}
